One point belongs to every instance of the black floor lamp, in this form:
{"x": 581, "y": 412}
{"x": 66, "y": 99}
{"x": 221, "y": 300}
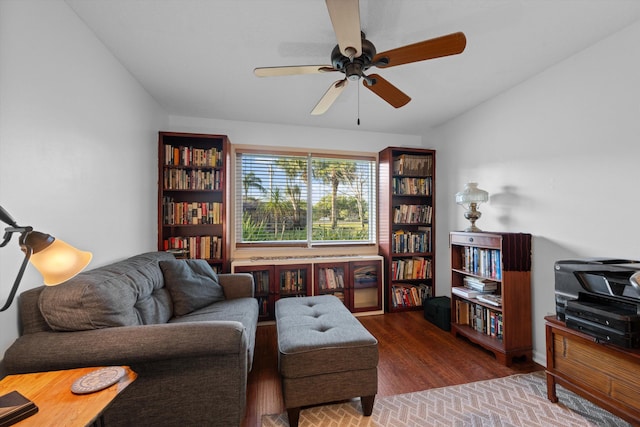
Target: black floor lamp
{"x": 56, "y": 260}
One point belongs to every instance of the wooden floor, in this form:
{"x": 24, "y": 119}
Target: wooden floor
{"x": 414, "y": 355}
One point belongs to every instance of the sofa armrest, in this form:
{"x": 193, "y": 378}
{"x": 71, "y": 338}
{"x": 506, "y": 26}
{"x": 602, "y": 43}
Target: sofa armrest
{"x": 237, "y": 285}
{"x": 127, "y": 345}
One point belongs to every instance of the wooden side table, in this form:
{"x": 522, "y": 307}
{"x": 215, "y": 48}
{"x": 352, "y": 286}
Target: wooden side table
{"x": 57, "y": 405}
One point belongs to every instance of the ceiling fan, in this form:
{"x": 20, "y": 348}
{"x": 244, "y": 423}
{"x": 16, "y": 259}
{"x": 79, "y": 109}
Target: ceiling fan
{"x": 354, "y": 55}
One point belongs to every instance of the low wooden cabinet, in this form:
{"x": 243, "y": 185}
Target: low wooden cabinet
{"x": 356, "y": 280}
{"x": 605, "y": 374}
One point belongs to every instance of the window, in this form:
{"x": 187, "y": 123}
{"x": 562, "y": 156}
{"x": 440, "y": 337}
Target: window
{"x": 304, "y": 199}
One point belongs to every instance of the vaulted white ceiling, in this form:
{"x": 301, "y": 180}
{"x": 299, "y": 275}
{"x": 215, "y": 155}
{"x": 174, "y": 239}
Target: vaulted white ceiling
{"x": 196, "y": 57}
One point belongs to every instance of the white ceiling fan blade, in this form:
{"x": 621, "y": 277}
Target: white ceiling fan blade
{"x": 345, "y": 18}
{"x": 292, "y": 70}
{"x": 329, "y": 97}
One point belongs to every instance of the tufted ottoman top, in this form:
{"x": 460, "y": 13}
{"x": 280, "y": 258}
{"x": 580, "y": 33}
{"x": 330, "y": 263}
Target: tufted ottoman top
{"x": 319, "y": 335}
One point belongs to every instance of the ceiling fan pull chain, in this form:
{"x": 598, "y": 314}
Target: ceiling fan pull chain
{"x": 358, "y": 105}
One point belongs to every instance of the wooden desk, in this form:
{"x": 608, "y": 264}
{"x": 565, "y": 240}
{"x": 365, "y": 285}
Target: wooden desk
{"x": 57, "y": 405}
{"x": 605, "y": 374}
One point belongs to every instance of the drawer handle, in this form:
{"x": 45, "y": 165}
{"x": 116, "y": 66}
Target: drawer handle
{"x": 471, "y": 239}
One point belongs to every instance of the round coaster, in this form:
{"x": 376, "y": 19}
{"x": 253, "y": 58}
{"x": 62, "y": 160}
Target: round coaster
{"x": 98, "y": 380}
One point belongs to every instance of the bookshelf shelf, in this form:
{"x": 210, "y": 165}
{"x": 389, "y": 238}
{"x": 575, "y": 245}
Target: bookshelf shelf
{"x": 192, "y": 196}
{"x": 406, "y": 225}
{"x": 502, "y": 261}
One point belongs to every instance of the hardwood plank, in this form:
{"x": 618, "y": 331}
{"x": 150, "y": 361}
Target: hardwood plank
{"x": 414, "y": 355}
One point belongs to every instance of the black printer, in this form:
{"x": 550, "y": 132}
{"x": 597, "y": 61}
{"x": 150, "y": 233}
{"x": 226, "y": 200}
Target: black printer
{"x": 601, "y": 297}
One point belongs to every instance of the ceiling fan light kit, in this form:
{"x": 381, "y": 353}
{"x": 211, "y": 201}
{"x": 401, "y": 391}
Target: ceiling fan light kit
{"x": 354, "y": 55}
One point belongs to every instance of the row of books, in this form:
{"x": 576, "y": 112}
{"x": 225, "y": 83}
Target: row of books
{"x": 483, "y": 262}
{"x": 411, "y": 164}
{"x": 198, "y": 247}
{"x": 411, "y": 186}
{"x": 330, "y": 278}
{"x": 480, "y": 318}
{"x": 263, "y": 305}
{"x": 292, "y": 281}
{"x": 182, "y": 179}
{"x": 415, "y": 268}
{"x": 410, "y": 296}
{"x": 191, "y": 212}
{"x": 190, "y": 156}
{"x": 406, "y": 241}
{"x": 412, "y": 214}
{"x": 261, "y": 282}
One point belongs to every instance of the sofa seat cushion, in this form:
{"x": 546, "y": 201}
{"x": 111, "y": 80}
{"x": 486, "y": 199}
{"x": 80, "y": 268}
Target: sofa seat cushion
{"x": 242, "y": 310}
{"x": 126, "y": 293}
{"x": 192, "y": 284}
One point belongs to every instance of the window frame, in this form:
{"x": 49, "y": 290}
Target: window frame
{"x": 310, "y": 155}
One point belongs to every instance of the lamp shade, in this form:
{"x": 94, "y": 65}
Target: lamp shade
{"x": 59, "y": 262}
{"x": 471, "y": 194}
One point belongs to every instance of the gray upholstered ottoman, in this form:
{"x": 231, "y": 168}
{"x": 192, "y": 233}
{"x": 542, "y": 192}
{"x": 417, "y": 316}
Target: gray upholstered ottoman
{"x": 325, "y": 354}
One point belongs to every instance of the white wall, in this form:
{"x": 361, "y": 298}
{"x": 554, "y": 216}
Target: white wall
{"x": 559, "y": 157}
{"x": 78, "y": 143}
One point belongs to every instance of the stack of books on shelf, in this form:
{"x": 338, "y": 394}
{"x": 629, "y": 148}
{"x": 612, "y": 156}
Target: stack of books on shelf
{"x": 480, "y": 318}
{"x": 261, "y": 281}
{"x": 292, "y": 281}
{"x": 181, "y": 179}
{"x": 411, "y": 164}
{"x": 191, "y": 212}
{"x": 198, "y": 247}
{"x": 263, "y": 305}
{"x": 412, "y": 214}
{"x": 411, "y": 186}
{"x": 482, "y": 285}
{"x": 416, "y": 268}
{"x": 190, "y": 156}
{"x": 483, "y": 262}
{"x": 410, "y": 296}
{"x": 495, "y": 300}
{"x": 475, "y": 287}
{"x": 405, "y": 241}
{"x": 329, "y": 278}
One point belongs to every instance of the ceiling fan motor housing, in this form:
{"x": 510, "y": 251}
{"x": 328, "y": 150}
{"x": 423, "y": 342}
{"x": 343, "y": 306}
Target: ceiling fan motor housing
{"x": 354, "y": 68}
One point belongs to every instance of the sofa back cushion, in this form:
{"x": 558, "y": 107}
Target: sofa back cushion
{"x": 192, "y": 284}
{"x": 126, "y": 293}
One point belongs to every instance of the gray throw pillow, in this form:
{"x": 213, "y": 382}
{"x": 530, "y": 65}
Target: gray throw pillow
{"x": 192, "y": 284}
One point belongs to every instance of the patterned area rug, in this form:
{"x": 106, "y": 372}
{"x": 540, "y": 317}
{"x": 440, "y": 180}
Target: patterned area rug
{"x": 517, "y": 400}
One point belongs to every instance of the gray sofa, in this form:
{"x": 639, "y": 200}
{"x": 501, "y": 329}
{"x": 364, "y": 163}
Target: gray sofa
{"x": 190, "y": 341}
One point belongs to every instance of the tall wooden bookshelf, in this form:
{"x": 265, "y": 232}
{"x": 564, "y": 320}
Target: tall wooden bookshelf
{"x": 192, "y": 196}
{"x": 503, "y": 259}
{"x": 406, "y": 221}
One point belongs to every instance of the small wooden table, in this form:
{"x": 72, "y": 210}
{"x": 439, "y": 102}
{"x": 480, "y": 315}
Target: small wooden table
{"x": 57, "y": 405}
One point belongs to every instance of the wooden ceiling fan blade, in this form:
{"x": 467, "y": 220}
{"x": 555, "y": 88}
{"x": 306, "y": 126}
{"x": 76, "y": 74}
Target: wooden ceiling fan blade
{"x": 345, "y": 18}
{"x": 292, "y": 70}
{"x": 451, "y": 44}
{"x": 386, "y": 91}
{"x": 329, "y": 97}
